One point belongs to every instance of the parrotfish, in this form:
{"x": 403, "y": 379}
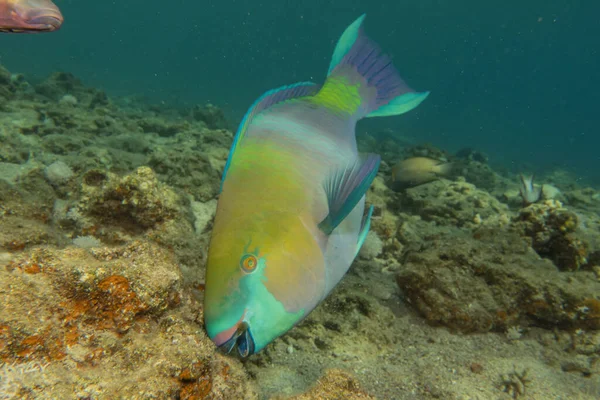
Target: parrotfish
{"x": 29, "y": 16}
{"x": 291, "y": 214}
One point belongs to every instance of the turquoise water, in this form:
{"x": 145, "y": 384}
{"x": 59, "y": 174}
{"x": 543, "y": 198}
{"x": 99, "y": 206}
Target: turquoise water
{"x": 519, "y": 82}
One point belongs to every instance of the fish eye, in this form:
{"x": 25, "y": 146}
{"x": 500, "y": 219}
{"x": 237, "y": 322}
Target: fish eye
{"x": 248, "y": 263}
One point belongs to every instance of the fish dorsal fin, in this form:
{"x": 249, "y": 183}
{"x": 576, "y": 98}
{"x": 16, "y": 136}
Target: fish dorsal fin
{"x": 273, "y": 96}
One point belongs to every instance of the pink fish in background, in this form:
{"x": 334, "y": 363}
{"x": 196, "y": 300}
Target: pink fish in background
{"x": 29, "y": 16}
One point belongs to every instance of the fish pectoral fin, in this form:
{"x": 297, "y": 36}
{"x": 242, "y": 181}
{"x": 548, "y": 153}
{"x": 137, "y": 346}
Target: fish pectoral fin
{"x": 364, "y": 230}
{"x": 345, "y": 187}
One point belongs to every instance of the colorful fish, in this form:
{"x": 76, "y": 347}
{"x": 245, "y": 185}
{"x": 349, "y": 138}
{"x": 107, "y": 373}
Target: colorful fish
{"x": 29, "y": 16}
{"x": 290, "y": 218}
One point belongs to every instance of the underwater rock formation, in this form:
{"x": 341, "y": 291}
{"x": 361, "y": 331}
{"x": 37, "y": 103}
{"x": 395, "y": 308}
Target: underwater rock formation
{"x": 61, "y": 84}
{"x": 212, "y": 116}
{"x": 585, "y": 198}
{"x": 455, "y": 203}
{"x": 7, "y": 88}
{"x": 479, "y": 174}
{"x": 105, "y": 216}
{"x": 335, "y": 384}
{"x": 458, "y": 282}
{"x": 138, "y": 197}
{"x": 551, "y": 228}
{"x": 94, "y": 312}
{"x": 471, "y": 154}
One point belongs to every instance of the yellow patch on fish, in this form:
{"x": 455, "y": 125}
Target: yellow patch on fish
{"x": 339, "y": 95}
{"x": 418, "y": 170}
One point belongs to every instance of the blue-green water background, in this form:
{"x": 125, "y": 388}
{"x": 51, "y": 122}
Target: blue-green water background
{"x": 518, "y": 80}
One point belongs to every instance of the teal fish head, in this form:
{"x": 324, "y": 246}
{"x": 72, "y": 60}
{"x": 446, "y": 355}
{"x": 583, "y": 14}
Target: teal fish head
{"x": 246, "y": 314}
{"x": 259, "y": 283}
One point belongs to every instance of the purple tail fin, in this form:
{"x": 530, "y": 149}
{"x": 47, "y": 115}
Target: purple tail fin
{"x": 360, "y": 60}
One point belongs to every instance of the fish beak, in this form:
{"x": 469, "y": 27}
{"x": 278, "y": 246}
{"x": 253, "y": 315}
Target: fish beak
{"x": 47, "y": 22}
{"x": 242, "y": 337}
{"x": 38, "y": 15}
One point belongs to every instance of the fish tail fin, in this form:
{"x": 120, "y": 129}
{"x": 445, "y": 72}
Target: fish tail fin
{"x": 444, "y": 169}
{"x": 362, "y": 81}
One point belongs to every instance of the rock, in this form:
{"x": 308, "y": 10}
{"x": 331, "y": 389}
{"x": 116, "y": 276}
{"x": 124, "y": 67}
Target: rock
{"x": 68, "y": 100}
{"x": 372, "y": 247}
{"x": 198, "y": 171}
{"x": 550, "y": 192}
{"x": 59, "y": 84}
{"x": 586, "y": 198}
{"x": 512, "y": 197}
{"x": 58, "y": 173}
{"x": 7, "y": 89}
{"x": 139, "y": 197}
{"x": 334, "y": 384}
{"x": 68, "y": 90}
{"x": 471, "y": 154}
{"x": 104, "y": 313}
{"x": 212, "y": 116}
{"x": 161, "y": 127}
{"x": 454, "y": 203}
{"x": 459, "y": 283}
{"x": 478, "y": 173}
{"x": 552, "y": 229}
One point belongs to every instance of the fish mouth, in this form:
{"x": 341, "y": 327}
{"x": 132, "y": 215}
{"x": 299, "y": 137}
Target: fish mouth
{"x": 46, "y": 22}
{"x": 37, "y": 16}
{"x": 241, "y": 338}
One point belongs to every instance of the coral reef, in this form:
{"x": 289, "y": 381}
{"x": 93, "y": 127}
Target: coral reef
{"x": 457, "y": 282}
{"x": 138, "y": 197}
{"x": 455, "y": 203}
{"x": 106, "y": 207}
{"x": 552, "y": 228}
